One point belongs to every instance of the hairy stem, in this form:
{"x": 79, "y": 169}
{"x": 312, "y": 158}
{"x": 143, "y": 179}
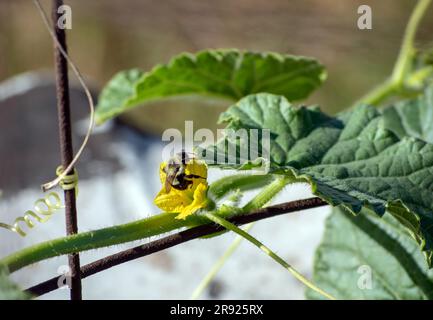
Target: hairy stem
{"x": 257, "y": 202}
{"x": 136, "y": 230}
{"x": 204, "y": 283}
{"x": 268, "y": 193}
{"x": 407, "y": 50}
{"x": 230, "y": 226}
{"x": 145, "y": 228}
{"x": 178, "y": 238}
{"x": 379, "y": 94}
{"x": 242, "y": 182}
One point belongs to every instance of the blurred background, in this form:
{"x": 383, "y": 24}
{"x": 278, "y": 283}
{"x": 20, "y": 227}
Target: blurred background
{"x": 118, "y": 172}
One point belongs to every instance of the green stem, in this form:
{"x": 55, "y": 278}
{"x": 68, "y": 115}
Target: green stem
{"x": 218, "y": 265}
{"x": 402, "y": 67}
{"x": 379, "y": 94}
{"x": 260, "y": 200}
{"x": 268, "y": 193}
{"x": 263, "y": 197}
{"x": 230, "y": 226}
{"x": 407, "y": 50}
{"x": 105, "y": 237}
{"x": 145, "y": 228}
{"x": 242, "y": 182}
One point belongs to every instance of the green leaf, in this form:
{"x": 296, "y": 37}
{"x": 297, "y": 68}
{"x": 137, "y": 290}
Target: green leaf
{"x": 350, "y": 161}
{"x": 8, "y": 289}
{"x": 364, "y": 257}
{"x": 115, "y": 94}
{"x": 227, "y": 74}
{"x": 413, "y": 118}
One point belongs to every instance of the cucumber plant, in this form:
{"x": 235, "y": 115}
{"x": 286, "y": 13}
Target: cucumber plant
{"x": 373, "y": 163}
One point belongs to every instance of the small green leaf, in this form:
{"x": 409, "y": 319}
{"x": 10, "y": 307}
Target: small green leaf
{"x": 364, "y": 257}
{"x": 8, "y": 289}
{"x": 413, "y": 118}
{"x": 227, "y": 74}
{"x": 350, "y": 161}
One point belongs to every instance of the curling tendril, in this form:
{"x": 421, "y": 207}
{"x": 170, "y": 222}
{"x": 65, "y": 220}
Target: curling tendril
{"x": 45, "y": 207}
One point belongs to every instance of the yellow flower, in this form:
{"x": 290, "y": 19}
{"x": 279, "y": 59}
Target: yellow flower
{"x": 187, "y": 201}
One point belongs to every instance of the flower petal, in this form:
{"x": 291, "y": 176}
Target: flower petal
{"x": 187, "y": 201}
{"x": 200, "y": 201}
{"x": 172, "y": 201}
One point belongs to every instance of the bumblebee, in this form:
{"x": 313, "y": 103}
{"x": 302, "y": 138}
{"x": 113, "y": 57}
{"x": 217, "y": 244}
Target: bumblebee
{"x": 175, "y": 171}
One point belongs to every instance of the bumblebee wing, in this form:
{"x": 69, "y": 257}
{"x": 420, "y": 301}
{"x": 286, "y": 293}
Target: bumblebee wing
{"x": 167, "y": 185}
{"x": 170, "y": 178}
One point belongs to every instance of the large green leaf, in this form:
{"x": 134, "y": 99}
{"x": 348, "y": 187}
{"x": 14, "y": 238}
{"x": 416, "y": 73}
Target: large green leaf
{"x": 365, "y": 257}
{"x": 350, "y": 161}
{"x": 115, "y": 94}
{"x": 228, "y": 74}
{"x": 352, "y": 243}
{"x": 413, "y": 117}
{"x": 8, "y": 289}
